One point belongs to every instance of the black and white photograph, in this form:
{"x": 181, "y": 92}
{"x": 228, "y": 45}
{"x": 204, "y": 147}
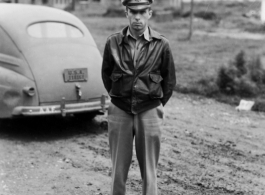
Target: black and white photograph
{"x": 132, "y": 97}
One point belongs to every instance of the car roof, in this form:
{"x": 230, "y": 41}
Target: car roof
{"x": 14, "y": 15}
{"x": 15, "y": 18}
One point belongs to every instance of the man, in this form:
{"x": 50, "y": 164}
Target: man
{"x": 139, "y": 74}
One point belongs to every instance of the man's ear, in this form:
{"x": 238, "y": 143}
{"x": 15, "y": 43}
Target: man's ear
{"x": 150, "y": 13}
{"x": 126, "y": 14}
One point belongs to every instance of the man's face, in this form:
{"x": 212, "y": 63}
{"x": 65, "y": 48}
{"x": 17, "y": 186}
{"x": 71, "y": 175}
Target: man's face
{"x": 138, "y": 19}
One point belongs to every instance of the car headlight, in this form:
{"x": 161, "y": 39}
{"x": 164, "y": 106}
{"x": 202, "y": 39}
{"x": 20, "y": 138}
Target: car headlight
{"x": 30, "y": 91}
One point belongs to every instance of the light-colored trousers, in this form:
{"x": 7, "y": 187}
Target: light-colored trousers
{"x": 146, "y": 129}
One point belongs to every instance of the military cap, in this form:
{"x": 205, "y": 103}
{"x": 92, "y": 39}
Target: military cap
{"x": 137, "y": 4}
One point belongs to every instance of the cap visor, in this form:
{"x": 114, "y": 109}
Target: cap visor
{"x": 139, "y": 7}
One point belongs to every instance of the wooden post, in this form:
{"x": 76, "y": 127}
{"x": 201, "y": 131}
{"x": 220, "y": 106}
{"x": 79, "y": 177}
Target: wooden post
{"x": 191, "y": 20}
{"x": 73, "y": 5}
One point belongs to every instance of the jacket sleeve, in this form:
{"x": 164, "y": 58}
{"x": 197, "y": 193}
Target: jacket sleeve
{"x": 107, "y": 67}
{"x": 168, "y": 74}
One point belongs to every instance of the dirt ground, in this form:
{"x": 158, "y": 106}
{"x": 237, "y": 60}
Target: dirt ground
{"x": 207, "y": 148}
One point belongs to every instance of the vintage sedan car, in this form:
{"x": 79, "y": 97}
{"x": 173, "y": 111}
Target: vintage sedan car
{"x": 49, "y": 64}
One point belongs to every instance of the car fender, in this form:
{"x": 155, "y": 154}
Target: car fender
{"x": 12, "y": 92}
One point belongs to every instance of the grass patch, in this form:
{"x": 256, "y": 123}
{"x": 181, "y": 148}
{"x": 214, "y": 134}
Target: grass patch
{"x": 243, "y": 77}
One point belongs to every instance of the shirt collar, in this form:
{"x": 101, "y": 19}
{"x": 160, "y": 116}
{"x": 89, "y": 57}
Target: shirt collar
{"x": 152, "y": 35}
{"x": 145, "y": 34}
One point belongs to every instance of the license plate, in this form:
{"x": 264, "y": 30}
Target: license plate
{"x": 74, "y": 75}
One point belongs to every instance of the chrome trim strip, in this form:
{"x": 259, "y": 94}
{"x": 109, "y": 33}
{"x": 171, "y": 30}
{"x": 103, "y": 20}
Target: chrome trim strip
{"x": 56, "y": 109}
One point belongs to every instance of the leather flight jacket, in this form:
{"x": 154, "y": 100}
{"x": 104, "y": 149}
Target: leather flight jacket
{"x": 138, "y": 87}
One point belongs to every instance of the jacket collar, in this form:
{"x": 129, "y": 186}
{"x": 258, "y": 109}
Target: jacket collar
{"x": 123, "y": 33}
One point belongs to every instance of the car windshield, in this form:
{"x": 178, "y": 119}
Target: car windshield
{"x": 54, "y": 30}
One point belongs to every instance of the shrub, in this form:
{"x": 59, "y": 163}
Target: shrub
{"x": 244, "y": 87}
{"x": 240, "y": 78}
{"x": 208, "y": 87}
{"x": 259, "y": 105}
{"x": 240, "y": 63}
{"x": 112, "y": 12}
{"x": 225, "y": 79}
{"x": 254, "y": 28}
{"x": 206, "y": 15}
{"x": 237, "y": 77}
{"x": 256, "y": 71}
{"x": 175, "y": 12}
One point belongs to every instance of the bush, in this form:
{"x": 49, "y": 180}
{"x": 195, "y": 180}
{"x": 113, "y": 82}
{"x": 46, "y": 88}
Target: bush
{"x": 240, "y": 63}
{"x": 206, "y": 15}
{"x": 208, "y": 87}
{"x": 240, "y": 77}
{"x": 175, "y": 12}
{"x": 225, "y": 79}
{"x": 259, "y": 105}
{"x": 244, "y": 87}
{"x": 256, "y": 71}
{"x": 254, "y": 28}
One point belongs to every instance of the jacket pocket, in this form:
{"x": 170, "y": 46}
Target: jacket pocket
{"x": 156, "y": 91}
{"x": 116, "y": 86}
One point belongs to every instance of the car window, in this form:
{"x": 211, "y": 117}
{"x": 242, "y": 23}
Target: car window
{"x": 54, "y": 30}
